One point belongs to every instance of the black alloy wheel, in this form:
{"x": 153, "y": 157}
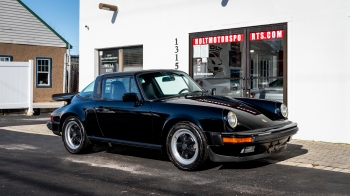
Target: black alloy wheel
{"x": 74, "y": 136}
{"x": 186, "y": 146}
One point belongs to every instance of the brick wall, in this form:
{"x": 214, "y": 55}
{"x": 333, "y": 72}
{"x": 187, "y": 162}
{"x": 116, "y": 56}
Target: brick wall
{"x": 28, "y": 52}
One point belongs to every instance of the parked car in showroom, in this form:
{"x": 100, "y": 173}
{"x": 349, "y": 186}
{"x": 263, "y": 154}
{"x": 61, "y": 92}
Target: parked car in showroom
{"x": 222, "y": 86}
{"x": 273, "y": 91}
{"x": 167, "y": 110}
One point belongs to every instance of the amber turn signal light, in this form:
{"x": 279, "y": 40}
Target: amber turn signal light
{"x": 237, "y": 140}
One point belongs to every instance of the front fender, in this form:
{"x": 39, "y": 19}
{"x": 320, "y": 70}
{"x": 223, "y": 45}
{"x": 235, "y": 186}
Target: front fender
{"x": 268, "y": 107}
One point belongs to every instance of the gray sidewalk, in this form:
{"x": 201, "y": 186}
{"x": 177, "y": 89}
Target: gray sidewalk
{"x": 45, "y": 105}
{"x": 318, "y": 155}
{"x": 299, "y": 153}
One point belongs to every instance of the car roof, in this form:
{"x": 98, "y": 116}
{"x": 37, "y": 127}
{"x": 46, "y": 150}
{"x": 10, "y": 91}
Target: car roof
{"x": 134, "y": 73}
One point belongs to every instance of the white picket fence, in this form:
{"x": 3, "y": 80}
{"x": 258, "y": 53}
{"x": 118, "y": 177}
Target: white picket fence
{"x": 16, "y": 85}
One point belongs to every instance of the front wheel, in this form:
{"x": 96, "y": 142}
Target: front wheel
{"x": 186, "y": 146}
{"x": 74, "y": 136}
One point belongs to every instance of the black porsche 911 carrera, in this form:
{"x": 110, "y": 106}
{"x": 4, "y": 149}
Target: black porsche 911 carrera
{"x": 166, "y": 110}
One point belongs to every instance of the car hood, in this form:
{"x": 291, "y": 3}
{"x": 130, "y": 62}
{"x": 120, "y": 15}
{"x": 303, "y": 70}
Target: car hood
{"x": 247, "y": 116}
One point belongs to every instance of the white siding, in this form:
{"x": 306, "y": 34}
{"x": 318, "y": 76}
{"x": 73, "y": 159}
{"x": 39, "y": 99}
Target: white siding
{"x": 19, "y": 26}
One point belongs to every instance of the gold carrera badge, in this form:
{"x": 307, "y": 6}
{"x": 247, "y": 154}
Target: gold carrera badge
{"x": 265, "y": 121}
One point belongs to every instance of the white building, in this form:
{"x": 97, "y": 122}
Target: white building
{"x": 241, "y": 47}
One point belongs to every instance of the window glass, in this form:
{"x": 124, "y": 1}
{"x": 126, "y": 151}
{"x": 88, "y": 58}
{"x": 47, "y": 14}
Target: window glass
{"x": 43, "y": 69}
{"x": 165, "y": 84}
{"x": 175, "y": 84}
{"x": 133, "y": 59}
{"x": 88, "y": 91}
{"x": 114, "y": 88}
{"x": 109, "y": 61}
{"x": 266, "y": 65}
{"x": 5, "y": 58}
{"x": 133, "y": 88}
{"x": 219, "y": 64}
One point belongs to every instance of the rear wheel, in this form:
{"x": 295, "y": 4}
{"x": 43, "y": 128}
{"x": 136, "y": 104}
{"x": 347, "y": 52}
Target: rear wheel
{"x": 74, "y": 136}
{"x": 186, "y": 146}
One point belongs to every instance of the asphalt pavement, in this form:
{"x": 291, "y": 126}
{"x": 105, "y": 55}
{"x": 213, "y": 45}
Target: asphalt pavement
{"x": 33, "y": 161}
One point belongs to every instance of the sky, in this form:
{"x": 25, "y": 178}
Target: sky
{"x": 62, "y": 16}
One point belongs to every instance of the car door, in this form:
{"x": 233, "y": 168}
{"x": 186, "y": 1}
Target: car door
{"x": 123, "y": 120}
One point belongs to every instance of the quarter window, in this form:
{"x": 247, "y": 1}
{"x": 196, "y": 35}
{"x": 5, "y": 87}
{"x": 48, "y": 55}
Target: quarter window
{"x": 88, "y": 91}
{"x": 43, "y": 72}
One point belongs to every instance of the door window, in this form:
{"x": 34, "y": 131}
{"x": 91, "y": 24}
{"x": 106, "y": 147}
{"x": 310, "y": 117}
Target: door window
{"x": 114, "y": 88}
{"x": 266, "y": 64}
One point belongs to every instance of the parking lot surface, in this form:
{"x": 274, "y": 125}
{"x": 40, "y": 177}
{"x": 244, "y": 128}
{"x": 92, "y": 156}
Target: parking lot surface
{"x": 33, "y": 161}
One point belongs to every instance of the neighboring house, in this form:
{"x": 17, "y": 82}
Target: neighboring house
{"x": 24, "y": 36}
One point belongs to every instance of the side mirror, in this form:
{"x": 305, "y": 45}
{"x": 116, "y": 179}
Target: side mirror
{"x": 212, "y": 91}
{"x": 130, "y": 97}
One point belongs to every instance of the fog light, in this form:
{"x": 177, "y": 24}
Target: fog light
{"x": 248, "y": 149}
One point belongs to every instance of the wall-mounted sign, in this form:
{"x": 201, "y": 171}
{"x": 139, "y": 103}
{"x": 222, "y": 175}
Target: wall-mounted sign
{"x": 276, "y": 34}
{"x": 218, "y": 39}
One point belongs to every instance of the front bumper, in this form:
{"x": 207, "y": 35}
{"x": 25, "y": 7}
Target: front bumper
{"x": 265, "y": 142}
{"x": 54, "y": 127}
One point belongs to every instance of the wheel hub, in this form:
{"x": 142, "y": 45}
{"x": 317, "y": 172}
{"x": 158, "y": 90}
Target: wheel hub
{"x": 184, "y": 146}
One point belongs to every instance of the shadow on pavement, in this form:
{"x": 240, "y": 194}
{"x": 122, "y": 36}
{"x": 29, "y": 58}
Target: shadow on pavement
{"x": 293, "y": 150}
{"x": 130, "y": 151}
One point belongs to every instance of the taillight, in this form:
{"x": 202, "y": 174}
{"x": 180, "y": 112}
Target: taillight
{"x": 51, "y": 118}
{"x": 252, "y": 95}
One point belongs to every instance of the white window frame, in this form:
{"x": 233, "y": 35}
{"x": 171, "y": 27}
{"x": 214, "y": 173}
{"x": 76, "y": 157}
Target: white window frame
{"x": 49, "y": 72}
{"x": 2, "y": 58}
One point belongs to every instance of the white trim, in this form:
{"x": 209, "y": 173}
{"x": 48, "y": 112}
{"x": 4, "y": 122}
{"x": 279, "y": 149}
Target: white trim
{"x": 289, "y": 68}
{"x": 30, "y": 88}
{"x": 48, "y": 72}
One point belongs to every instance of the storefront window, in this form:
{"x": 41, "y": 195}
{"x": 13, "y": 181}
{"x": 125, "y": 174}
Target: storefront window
{"x": 121, "y": 59}
{"x": 133, "y": 59}
{"x": 246, "y": 62}
{"x": 217, "y": 62}
{"x": 266, "y": 64}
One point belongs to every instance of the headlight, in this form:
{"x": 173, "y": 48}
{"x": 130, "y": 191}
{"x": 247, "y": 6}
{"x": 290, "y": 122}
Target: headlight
{"x": 284, "y": 111}
{"x": 232, "y": 119}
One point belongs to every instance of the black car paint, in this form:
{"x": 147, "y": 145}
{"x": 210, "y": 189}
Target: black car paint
{"x": 147, "y": 123}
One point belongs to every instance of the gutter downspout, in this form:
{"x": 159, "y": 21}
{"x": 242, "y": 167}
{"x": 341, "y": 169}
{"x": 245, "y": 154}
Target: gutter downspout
{"x": 64, "y": 72}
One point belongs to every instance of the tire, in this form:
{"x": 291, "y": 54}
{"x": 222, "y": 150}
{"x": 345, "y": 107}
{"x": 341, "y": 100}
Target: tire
{"x": 74, "y": 136}
{"x": 186, "y": 146}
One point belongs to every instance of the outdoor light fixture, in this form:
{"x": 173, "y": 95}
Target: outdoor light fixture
{"x": 108, "y": 7}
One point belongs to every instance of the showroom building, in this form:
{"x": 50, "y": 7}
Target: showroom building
{"x": 296, "y": 52}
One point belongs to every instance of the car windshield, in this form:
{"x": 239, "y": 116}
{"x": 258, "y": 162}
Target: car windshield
{"x": 168, "y": 84}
